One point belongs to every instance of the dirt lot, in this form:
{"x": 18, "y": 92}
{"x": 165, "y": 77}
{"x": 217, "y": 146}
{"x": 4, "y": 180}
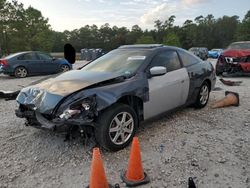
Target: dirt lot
{"x": 212, "y": 145}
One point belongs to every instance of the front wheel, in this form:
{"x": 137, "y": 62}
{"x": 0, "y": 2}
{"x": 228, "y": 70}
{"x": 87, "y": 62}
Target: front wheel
{"x": 64, "y": 68}
{"x": 203, "y": 96}
{"x": 116, "y": 127}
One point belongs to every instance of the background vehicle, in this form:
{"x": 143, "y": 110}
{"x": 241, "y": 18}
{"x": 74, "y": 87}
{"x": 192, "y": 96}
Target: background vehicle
{"x": 235, "y": 60}
{"x": 112, "y": 94}
{"x": 215, "y": 53}
{"x": 28, "y": 63}
{"x": 201, "y": 52}
{"x": 91, "y": 54}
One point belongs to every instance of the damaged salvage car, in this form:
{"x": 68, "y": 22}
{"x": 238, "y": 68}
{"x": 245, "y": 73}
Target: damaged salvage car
{"x": 111, "y": 95}
{"x": 235, "y": 60}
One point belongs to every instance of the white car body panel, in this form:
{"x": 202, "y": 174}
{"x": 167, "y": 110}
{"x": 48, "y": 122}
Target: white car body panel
{"x": 166, "y": 92}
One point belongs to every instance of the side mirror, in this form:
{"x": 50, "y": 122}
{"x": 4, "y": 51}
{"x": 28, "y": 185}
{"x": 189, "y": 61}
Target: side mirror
{"x": 158, "y": 71}
{"x": 53, "y": 58}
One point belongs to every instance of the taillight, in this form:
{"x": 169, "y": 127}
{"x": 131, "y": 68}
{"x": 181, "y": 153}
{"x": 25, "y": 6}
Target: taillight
{"x": 3, "y": 62}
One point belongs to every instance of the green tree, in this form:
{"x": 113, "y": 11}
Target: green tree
{"x": 145, "y": 40}
{"x": 172, "y": 40}
{"x": 225, "y": 30}
{"x": 134, "y": 34}
{"x": 243, "y": 32}
{"x": 23, "y": 29}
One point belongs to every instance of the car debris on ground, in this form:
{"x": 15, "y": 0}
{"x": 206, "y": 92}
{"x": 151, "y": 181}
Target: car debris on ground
{"x": 230, "y": 83}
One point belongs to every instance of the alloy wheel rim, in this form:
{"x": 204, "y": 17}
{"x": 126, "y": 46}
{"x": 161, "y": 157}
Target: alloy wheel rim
{"x": 64, "y": 68}
{"x": 21, "y": 72}
{"x": 204, "y": 94}
{"x": 121, "y": 128}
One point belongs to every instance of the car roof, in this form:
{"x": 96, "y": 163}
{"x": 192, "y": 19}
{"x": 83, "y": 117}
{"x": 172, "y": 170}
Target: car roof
{"x": 216, "y": 49}
{"x": 151, "y": 47}
{"x": 239, "y": 42}
{"x": 141, "y": 46}
{"x": 20, "y": 53}
{"x": 14, "y": 55}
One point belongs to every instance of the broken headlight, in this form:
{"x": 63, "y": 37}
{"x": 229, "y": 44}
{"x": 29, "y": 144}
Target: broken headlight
{"x": 69, "y": 113}
{"x": 84, "y": 107}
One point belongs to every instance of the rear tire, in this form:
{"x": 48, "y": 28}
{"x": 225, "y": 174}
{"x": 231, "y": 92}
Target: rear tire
{"x": 20, "y": 72}
{"x": 116, "y": 127}
{"x": 203, "y": 96}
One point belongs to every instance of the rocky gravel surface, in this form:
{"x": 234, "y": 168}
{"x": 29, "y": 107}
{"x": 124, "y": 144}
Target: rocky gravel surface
{"x": 210, "y": 145}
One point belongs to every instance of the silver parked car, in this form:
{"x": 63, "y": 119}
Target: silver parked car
{"x": 110, "y": 96}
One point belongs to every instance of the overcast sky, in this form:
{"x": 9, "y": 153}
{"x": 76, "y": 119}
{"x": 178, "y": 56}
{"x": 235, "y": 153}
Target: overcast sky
{"x": 73, "y": 14}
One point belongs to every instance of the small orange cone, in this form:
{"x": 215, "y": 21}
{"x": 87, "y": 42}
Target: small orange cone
{"x": 135, "y": 175}
{"x": 231, "y": 99}
{"x": 97, "y": 175}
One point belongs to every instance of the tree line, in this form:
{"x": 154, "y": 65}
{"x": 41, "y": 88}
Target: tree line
{"x": 26, "y": 29}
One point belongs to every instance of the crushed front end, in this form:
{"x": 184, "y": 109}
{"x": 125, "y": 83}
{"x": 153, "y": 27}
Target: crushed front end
{"x": 43, "y": 110}
{"x": 234, "y": 63}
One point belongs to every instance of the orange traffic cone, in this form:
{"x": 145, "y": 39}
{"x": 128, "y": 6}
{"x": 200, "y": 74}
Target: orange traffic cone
{"x": 135, "y": 175}
{"x": 231, "y": 99}
{"x": 97, "y": 175}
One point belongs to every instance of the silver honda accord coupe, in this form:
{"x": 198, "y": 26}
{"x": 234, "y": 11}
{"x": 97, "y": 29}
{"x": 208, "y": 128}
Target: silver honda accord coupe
{"x": 109, "y": 97}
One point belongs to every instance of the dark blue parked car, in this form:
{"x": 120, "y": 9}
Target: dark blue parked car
{"x": 28, "y": 63}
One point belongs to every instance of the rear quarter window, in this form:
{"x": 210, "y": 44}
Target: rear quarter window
{"x": 25, "y": 57}
{"x": 187, "y": 58}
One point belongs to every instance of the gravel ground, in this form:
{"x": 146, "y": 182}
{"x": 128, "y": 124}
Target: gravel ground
{"x": 211, "y": 145}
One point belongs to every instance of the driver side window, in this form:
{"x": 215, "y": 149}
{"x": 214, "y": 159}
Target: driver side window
{"x": 168, "y": 59}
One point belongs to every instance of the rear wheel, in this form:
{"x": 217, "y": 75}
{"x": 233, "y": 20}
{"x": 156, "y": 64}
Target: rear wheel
{"x": 203, "y": 96}
{"x": 116, "y": 127}
{"x": 20, "y": 72}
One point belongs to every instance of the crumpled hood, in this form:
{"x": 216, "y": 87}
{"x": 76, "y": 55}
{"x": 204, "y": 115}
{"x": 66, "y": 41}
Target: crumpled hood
{"x": 46, "y": 95}
{"x": 72, "y": 81}
{"x": 236, "y": 53}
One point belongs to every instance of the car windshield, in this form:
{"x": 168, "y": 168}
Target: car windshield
{"x": 243, "y": 45}
{"x": 119, "y": 61}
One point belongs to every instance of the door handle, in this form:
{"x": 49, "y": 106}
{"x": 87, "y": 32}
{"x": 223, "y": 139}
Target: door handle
{"x": 182, "y": 81}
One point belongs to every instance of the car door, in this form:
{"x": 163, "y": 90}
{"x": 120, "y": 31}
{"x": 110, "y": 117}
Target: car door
{"x": 167, "y": 91}
{"x": 195, "y": 71}
{"x": 30, "y": 61}
{"x": 47, "y": 63}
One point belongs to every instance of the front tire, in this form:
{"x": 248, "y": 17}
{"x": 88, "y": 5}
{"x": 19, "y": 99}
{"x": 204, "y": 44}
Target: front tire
{"x": 116, "y": 127}
{"x": 64, "y": 68}
{"x": 203, "y": 96}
